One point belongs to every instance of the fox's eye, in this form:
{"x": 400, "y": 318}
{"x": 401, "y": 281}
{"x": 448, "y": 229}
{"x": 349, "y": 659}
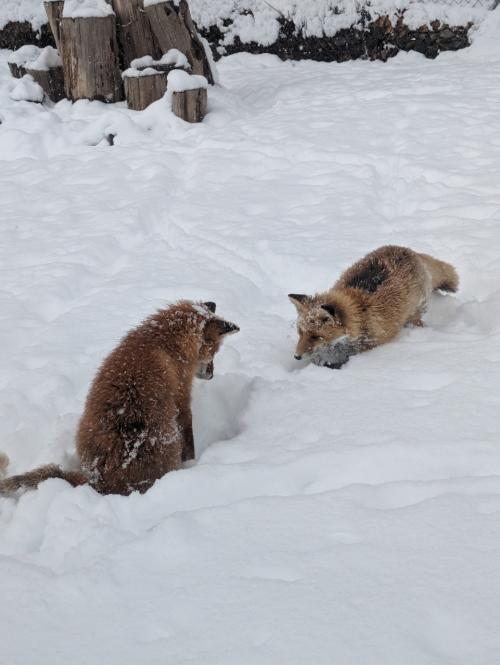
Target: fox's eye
{"x": 314, "y": 338}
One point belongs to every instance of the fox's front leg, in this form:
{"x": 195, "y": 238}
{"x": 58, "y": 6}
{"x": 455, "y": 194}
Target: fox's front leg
{"x": 186, "y": 424}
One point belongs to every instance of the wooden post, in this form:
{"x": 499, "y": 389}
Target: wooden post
{"x": 90, "y": 58}
{"x": 54, "y": 10}
{"x": 173, "y": 28}
{"x": 135, "y": 36}
{"x": 142, "y": 88}
{"x": 190, "y": 105}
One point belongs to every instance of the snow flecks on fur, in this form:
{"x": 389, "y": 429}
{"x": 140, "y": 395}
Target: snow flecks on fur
{"x": 4, "y": 463}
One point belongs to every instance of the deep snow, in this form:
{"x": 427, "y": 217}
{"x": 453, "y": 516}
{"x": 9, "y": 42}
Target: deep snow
{"x": 342, "y": 517}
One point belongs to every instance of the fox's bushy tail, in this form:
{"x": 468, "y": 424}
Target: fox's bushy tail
{"x": 32, "y": 479}
{"x": 444, "y": 276}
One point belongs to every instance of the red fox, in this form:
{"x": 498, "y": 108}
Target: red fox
{"x": 369, "y": 304}
{"x": 136, "y": 425}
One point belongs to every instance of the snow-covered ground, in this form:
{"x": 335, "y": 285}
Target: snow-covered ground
{"x": 332, "y": 517}
{"x": 258, "y": 20}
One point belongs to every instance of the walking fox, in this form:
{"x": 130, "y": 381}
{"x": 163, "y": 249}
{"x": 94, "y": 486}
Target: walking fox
{"x": 369, "y": 304}
{"x": 137, "y": 424}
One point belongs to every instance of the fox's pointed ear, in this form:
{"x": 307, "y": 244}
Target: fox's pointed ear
{"x": 334, "y": 312}
{"x": 299, "y": 300}
{"x": 226, "y": 327}
{"x": 210, "y": 306}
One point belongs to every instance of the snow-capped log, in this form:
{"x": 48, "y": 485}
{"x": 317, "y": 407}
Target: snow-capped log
{"x": 174, "y": 28}
{"x": 18, "y": 60}
{"x": 43, "y": 65}
{"x": 54, "y": 11}
{"x": 89, "y": 50}
{"x": 135, "y": 35}
{"x": 27, "y": 90}
{"x": 143, "y": 87}
{"x": 189, "y": 95}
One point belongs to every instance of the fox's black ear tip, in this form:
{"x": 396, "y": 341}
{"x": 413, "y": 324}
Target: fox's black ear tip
{"x": 210, "y": 306}
{"x": 298, "y": 297}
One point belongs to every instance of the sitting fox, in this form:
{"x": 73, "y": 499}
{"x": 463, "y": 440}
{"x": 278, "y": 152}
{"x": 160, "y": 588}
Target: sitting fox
{"x": 136, "y": 425}
{"x": 369, "y": 304}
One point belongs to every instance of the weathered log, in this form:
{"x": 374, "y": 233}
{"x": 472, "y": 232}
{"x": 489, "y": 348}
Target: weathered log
{"x": 54, "y": 11}
{"x": 17, "y": 71}
{"x": 90, "y": 58}
{"x": 51, "y": 80}
{"x": 135, "y": 36}
{"x": 142, "y": 88}
{"x": 190, "y": 105}
{"x": 173, "y": 28}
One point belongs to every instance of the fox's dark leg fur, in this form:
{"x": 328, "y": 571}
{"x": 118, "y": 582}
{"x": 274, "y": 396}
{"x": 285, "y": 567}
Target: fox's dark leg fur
{"x": 32, "y": 479}
{"x": 186, "y": 423}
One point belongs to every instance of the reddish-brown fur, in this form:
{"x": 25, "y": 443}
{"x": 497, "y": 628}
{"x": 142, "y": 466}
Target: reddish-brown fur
{"x": 136, "y": 425}
{"x": 371, "y": 301}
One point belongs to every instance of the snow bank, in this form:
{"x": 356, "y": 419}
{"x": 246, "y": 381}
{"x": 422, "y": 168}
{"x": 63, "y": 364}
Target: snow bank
{"x": 259, "y": 21}
{"x": 172, "y": 57}
{"x": 135, "y": 73}
{"x": 31, "y": 11}
{"x": 149, "y": 3}
{"x": 25, "y": 54}
{"x": 484, "y": 37}
{"x": 86, "y": 8}
{"x": 47, "y": 58}
{"x": 34, "y": 57}
{"x": 179, "y": 81}
{"x": 27, "y": 90}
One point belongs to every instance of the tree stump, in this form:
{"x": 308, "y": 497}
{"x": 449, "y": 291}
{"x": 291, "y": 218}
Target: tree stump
{"x": 90, "y": 58}
{"x": 54, "y": 11}
{"x": 51, "y": 80}
{"x": 135, "y": 36}
{"x": 142, "y": 88}
{"x": 173, "y": 27}
{"x": 43, "y": 65}
{"x": 190, "y": 105}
